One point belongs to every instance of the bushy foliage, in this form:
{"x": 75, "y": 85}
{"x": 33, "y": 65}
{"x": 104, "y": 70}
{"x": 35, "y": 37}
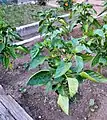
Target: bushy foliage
{"x": 8, "y": 50}
{"x": 66, "y": 56}
{"x": 66, "y": 4}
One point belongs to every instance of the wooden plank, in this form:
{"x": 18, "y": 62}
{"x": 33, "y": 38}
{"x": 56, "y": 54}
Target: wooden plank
{"x": 2, "y": 92}
{"x": 36, "y": 38}
{"x": 14, "y": 108}
{"x": 4, "y": 114}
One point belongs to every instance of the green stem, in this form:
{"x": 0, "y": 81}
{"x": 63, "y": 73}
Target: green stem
{"x": 99, "y": 69}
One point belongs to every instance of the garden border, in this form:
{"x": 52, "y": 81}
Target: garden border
{"x": 30, "y": 29}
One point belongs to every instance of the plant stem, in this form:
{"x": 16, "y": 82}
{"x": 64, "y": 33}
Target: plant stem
{"x": 99, "y": 69}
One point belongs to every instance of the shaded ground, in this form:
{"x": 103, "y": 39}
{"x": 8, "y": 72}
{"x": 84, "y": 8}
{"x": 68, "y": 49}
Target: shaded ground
{"x": 42, "y": 106}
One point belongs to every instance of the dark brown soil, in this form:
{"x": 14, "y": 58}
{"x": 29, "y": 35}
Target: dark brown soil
{"x": 44, "y": 107}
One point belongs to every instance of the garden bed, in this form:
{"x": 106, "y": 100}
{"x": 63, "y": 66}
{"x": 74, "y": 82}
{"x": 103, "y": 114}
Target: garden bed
{"x": 40, "y": 105}
{"x": 89, "y": 102}
{"x": 17, "y": 15}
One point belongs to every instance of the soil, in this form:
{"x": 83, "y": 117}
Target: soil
{"x": 40, "y": 105}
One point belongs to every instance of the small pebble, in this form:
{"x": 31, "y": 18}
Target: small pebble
{"x": 96, "y": 107}
{"x": 39, "y": 117}
{"x": 91, "y": 102}
{"x": 90, "y": 90}
{"x": 89, "y": 115}
{"x": 94, "y": 85}
{"x": 92, "y": 110}
{"x": 85, "y": 118}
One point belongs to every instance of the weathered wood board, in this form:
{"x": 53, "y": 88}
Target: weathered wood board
{"x": 10, "y": 109}
{"x": 2, "y": 92}
{"x": 4, "y": 113}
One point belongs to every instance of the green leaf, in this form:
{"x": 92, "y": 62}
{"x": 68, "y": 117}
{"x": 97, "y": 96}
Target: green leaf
{"x": 11, "y": 51}
{"x": 22, "y": 48}
{"x": 40, "y": 78}
{"x": 22, "y": 90}
{"x": 1, "y": 58}
{"x": 62, "y": 68}
{"x": 63, "y": 22}
{"x": 73, "y": 86}
{"x": 95, "y": 60}
{"x": 93, "y": 76}
{"x": 105, "y": 26}
{"x": 6, "y": 61}
{"x": 49, "y": 87}
{"x": 64, "y": 29}
{"x": 43, "y": 28}
{"x": 15, "y": 35}
{"x": 63, "y": 102}
{"x": 34, "y": 52}
{"x": 91, "y": 19}
{"x": 62, "y": 90}
{"x": 81, "y": 48}
{"x": 79, "y": 64}
{"x": 103, "y": 60}
{"x": 73, "y": 22}
{"x": 96, "y": 23}
{"x": 99, "y": 32}
{"x": 90, "y": 32}
{"x": 56, "y": 42}
{"x": 85, "y": 27}
{"x": 86, "y": 57}
{"x": 55, "y": 34}
{"x": 38, "y": 60}
{"x": 2, "y": 46}
{"x": 87, "y": 49}
{"x": 75, "y": 41}
{"x": 58, "y": 80}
